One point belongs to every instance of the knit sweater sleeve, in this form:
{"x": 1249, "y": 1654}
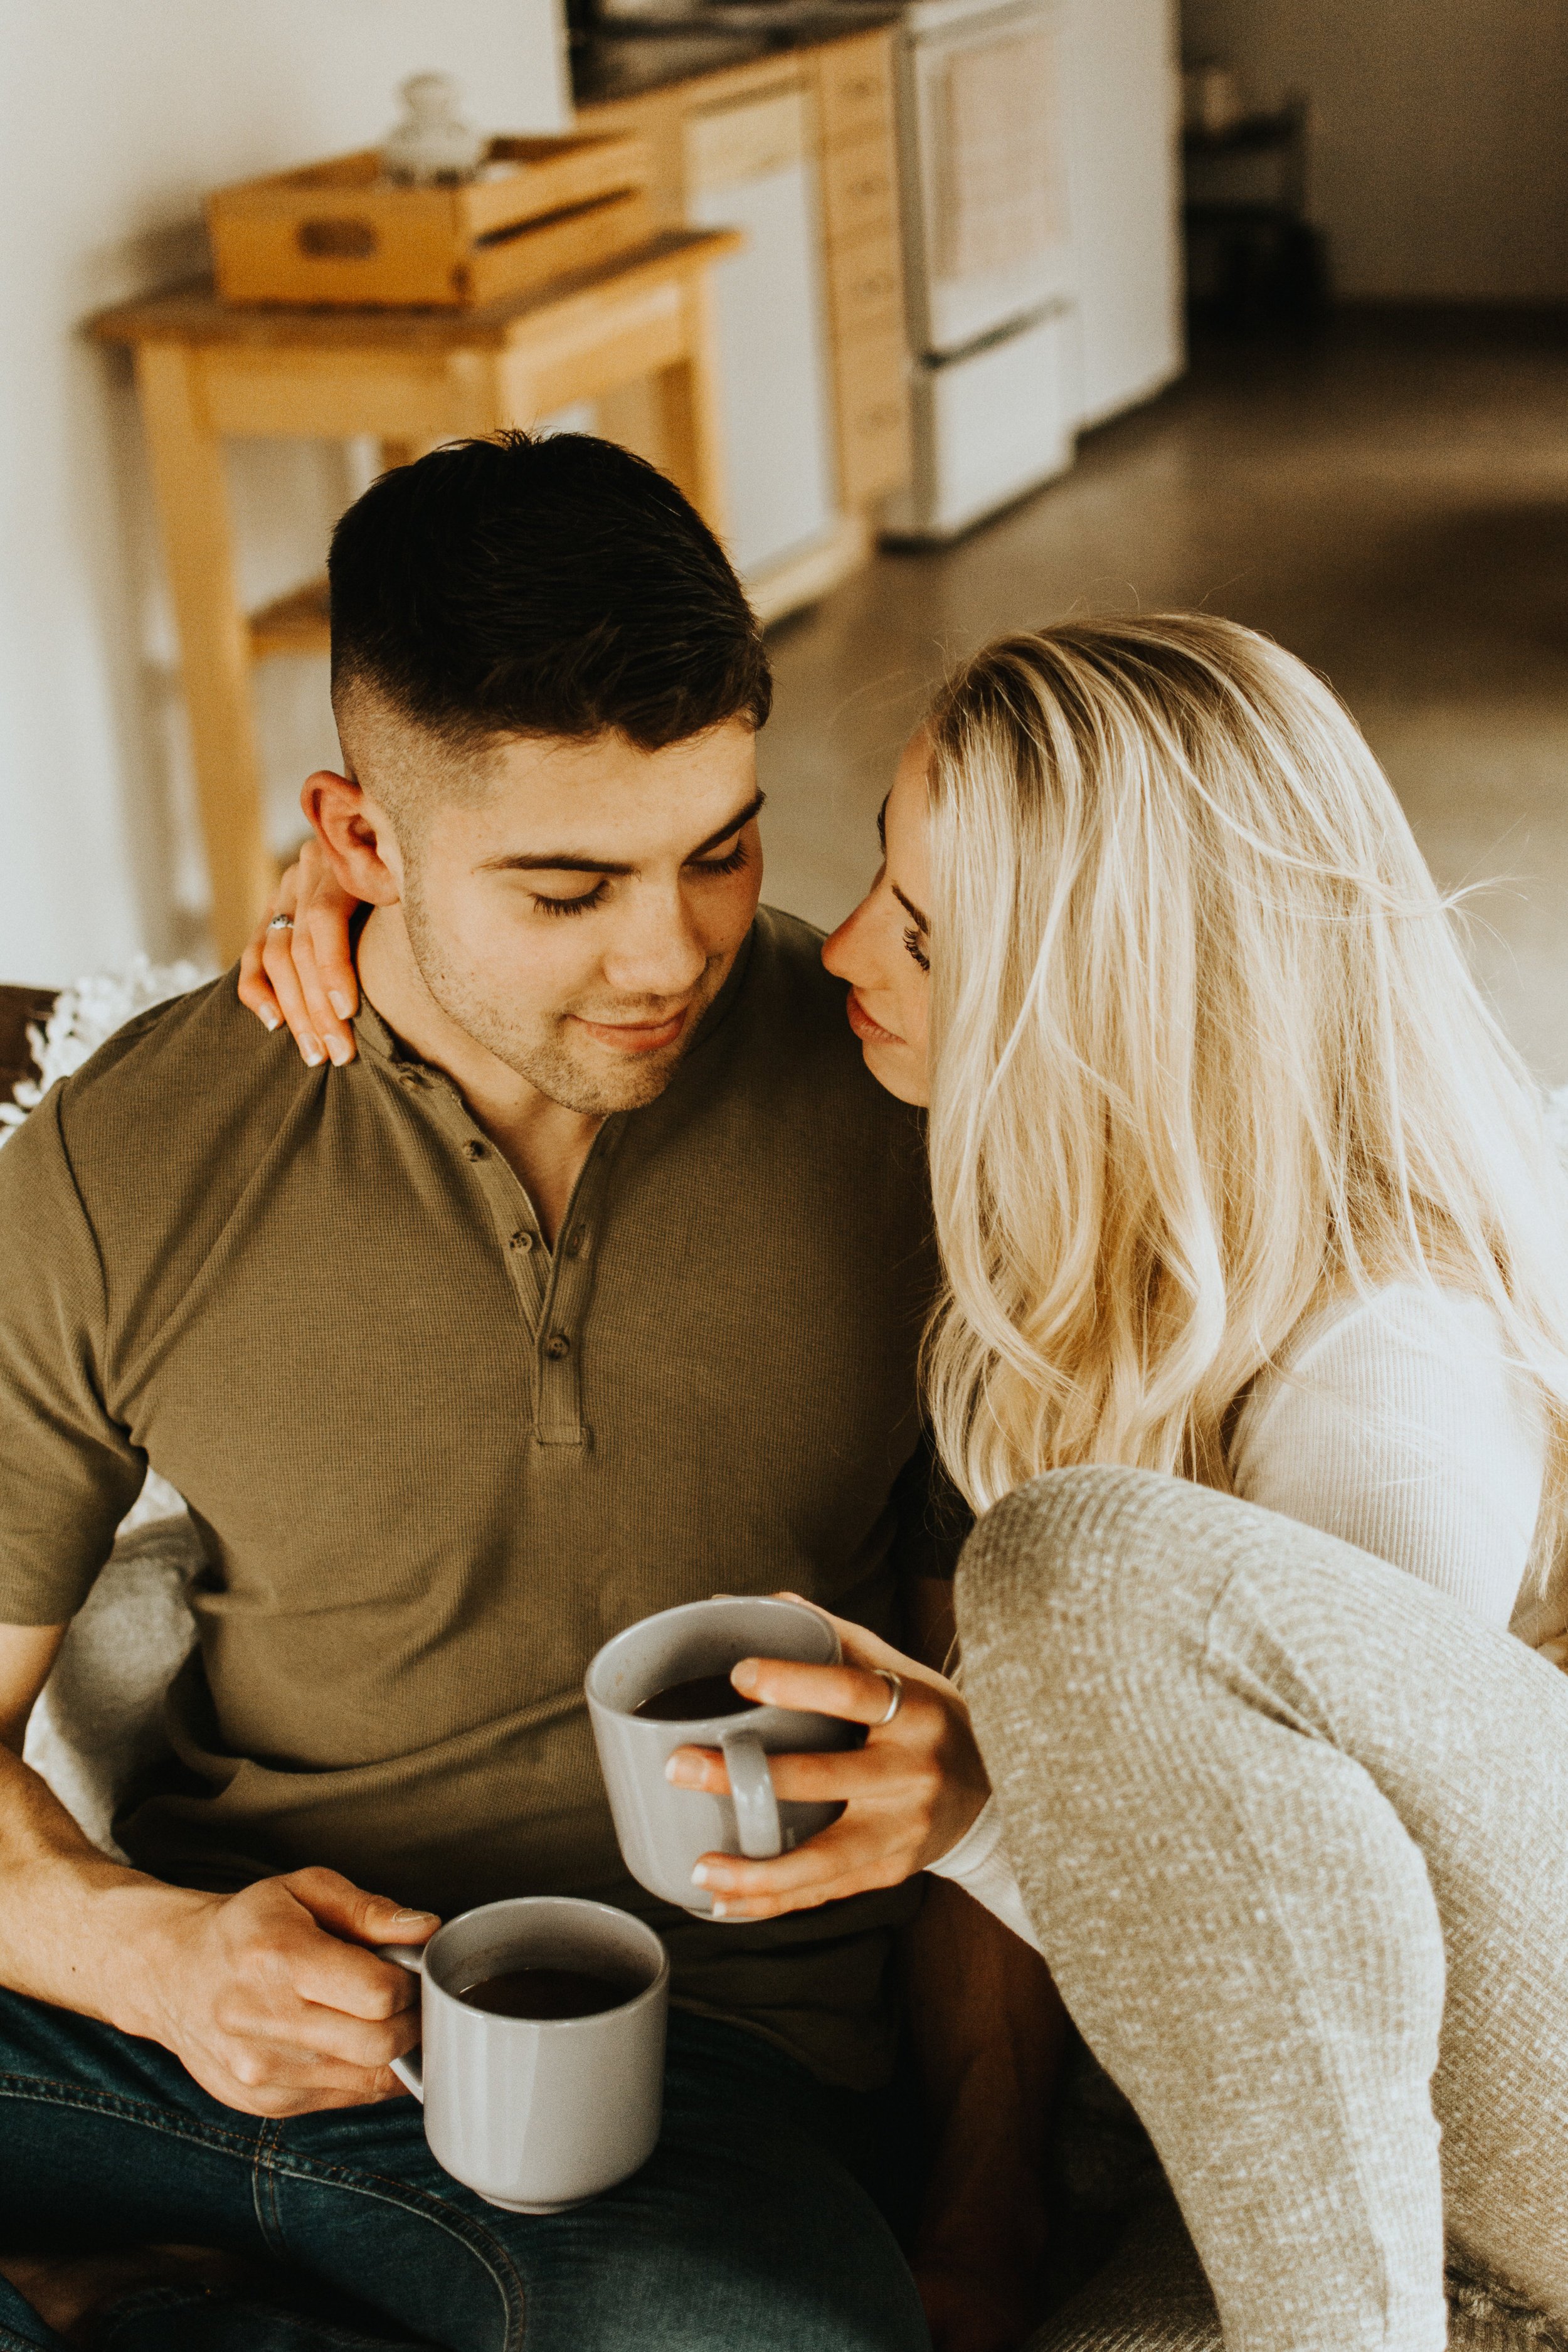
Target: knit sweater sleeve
{"x": 1396, "y": 1424}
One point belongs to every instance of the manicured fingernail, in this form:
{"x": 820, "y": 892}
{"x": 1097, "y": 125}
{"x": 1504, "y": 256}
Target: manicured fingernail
{"x": 703, "y": 1876}
{"x": 270, "y": 1020}
{"x": 744, "y": 1675}
{"x": 338, "y": 1047}
{"x": 311, "y": 1049}
{"x": 720, "y": 1910}
{"x": 340, "y": 1004}
{"x": 411, "y": 1918}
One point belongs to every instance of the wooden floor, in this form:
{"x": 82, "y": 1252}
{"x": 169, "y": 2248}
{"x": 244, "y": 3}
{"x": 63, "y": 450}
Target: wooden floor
{"x": 1391, "y": 501}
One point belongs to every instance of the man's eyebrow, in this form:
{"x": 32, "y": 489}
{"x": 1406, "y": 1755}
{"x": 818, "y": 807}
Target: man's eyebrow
{"x": 751, "y": 809}
{"x": 909, "y": 907}
{"x": 572, "y": 861}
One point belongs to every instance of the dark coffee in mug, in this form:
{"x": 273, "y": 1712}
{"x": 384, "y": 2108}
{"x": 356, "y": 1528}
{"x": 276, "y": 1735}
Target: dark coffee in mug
{"x": 690, "y": 1702}
{"x": 549, "y": 1993}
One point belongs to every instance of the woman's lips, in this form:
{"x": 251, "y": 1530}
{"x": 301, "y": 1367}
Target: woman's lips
{"x": 635, "y": 1036}
{"x": 870, "y": 1032}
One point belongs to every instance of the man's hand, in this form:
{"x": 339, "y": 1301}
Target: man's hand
{"x": 270, "y": 2000}
{"x": 909, "y": 1794}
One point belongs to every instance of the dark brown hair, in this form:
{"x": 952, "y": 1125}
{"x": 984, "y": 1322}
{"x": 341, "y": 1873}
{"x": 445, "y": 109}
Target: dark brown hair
{"x": 555, "y": 586}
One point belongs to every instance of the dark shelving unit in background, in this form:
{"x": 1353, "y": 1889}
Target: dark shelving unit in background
{"x": 1253, "y": 263}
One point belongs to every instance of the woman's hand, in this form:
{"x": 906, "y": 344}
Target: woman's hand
{"x": 306, "y": 976}
{"x": 908, "y": 1795}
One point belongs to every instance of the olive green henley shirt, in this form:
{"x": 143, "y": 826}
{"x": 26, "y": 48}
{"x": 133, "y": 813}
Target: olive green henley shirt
{"x": 435, "y": 1465}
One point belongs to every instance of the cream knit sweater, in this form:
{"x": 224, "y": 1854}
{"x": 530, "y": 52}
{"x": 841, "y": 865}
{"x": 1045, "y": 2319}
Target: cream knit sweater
{"x": 1396, "y": 1424}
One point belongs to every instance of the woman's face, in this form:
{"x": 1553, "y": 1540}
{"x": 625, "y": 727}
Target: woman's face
{"x": 883, "y": 949}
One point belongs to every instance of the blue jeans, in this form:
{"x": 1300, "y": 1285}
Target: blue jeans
{"x": 748, "y": 2230}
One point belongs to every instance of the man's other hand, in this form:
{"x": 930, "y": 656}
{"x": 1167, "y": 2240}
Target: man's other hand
{"x": 271, "y": 2001}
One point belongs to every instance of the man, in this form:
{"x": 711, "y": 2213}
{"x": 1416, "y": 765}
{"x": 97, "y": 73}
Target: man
{"x": 592, "y": 1284}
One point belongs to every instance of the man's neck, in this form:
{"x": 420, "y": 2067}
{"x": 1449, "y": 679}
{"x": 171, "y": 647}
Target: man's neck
{"x": 544, "y": 1142}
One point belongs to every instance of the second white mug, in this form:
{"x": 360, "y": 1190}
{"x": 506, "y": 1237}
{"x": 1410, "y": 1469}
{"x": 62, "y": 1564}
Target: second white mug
{"x": 663, "y": 1831}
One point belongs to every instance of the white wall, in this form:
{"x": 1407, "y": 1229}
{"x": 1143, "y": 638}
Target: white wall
{"x": 115, "y": 117}
{"x": 1440, "y": 163}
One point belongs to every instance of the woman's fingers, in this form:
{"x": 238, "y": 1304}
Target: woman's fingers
{"x": 306, "y": 974}
{"x": 278, "y": 956}
{"x": 910, "y": 1793}
{"x": 334, "y": 1033}
{"x": 862, "y": 1648}
{"x": 323, "y": 948}
{"x": 840, "y": 1861}
{"x": 256, "y": 989}
{"x": 856, "y": 1694}
{"x": 837, "y": 1776}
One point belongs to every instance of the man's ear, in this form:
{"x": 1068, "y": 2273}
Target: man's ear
{"x": 356, "y": 835}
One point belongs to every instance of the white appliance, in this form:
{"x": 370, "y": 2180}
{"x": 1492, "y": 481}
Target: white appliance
{"x": 991, "y": 258}
{"x": 1125, "y": 129}
{"x": 749, "y": 167}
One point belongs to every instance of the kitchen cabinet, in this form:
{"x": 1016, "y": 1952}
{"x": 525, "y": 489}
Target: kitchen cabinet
{"x": 838, "y": 98}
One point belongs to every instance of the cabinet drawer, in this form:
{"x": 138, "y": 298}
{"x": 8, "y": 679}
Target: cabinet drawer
{"x": 747, "y": 141}
{"x": 859, "y": 188}
{"x": 873, "y": 418}
{"x": 866, "y": 283}
{"x": 857, "y": 88}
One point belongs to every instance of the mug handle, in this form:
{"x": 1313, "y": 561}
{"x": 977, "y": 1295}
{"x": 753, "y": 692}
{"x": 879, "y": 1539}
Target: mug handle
{"x": 751, "y": 1787}
{"x": 409, "y": 2071}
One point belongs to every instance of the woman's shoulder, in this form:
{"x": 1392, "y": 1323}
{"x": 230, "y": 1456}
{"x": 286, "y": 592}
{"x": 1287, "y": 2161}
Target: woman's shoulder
{"x": 1398, "y": 1419}
{"x": 1398, "y": 1319}
{"x": 1419, "y": 1343}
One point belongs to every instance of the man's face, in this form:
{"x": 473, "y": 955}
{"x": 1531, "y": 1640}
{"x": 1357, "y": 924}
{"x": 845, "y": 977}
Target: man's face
{"x": 580, "y": 915}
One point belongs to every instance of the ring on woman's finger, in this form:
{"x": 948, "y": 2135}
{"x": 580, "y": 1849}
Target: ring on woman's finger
{"x": 895, "y": 1695}
{"x": 281, "y": 923}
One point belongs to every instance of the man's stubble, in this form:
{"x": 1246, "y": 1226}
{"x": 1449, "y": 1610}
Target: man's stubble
{"x": 542, "y": 1053}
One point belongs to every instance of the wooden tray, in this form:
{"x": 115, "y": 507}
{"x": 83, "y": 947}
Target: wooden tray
{"x": 338, "y": 234}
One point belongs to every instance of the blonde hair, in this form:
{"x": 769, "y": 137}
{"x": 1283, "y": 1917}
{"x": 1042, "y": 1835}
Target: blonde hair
{"x": 1206, "y": 1053}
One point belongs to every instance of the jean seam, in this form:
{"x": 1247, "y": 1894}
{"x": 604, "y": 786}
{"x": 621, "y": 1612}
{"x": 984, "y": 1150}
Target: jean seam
{"x": 264, "y": 2190}
{"x": 47, "y": 2092}
{"x": 472, "y": 2236}
{"x": 274, "y": 2160}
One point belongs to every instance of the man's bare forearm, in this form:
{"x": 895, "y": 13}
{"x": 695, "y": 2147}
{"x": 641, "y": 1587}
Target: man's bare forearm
{"x": 75, "y": 1929}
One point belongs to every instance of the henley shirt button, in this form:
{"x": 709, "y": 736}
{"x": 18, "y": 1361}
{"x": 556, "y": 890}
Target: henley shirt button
{"x": 474, "y": 1150}
{"x": 523, "y": 1240}
{"x": 558, "y": 1344}
{"x": 574, "y": 1244}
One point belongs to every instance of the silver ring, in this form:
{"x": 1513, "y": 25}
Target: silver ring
{"x": 281, "y": 923}
{"x": 896, "y": 1696}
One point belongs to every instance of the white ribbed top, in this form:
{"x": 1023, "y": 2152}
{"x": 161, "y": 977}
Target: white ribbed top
{"x": 1396, "y": 1423}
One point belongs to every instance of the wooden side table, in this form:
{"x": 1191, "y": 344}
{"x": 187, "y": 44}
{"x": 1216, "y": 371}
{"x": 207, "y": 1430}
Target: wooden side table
{"x": 411, "y": 379}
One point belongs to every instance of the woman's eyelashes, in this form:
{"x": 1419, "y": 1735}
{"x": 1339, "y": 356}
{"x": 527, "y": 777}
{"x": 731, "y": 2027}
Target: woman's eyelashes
{"x": 912, "y": 941}
{"x": 736, "y": 859}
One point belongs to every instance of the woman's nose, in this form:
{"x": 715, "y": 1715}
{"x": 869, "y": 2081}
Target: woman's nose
{"x": 841, "y": 949}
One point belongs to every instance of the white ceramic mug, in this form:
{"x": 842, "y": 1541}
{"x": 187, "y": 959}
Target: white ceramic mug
{"x": 537, "y": 2114}
{"x": 663, "y": 1831}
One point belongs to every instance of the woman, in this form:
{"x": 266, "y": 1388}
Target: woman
{"x": 1243, "y": 1201}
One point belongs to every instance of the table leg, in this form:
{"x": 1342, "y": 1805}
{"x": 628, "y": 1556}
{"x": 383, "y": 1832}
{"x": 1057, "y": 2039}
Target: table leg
{"x": 215, "y": 652}
{"x": 690, "y": 418}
